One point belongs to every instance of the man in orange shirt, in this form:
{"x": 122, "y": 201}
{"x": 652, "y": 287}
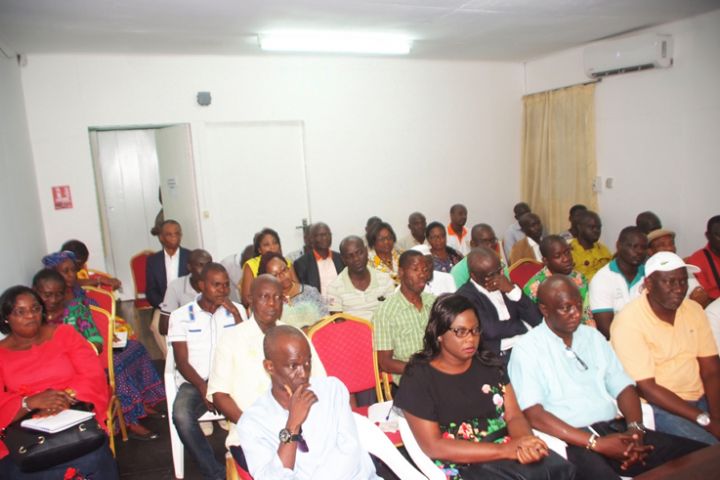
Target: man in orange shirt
{"x": 708, "y": 259}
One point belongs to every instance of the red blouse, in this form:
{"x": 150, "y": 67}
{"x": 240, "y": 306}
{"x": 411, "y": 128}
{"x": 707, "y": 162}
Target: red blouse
{"x": 65, "y": 361}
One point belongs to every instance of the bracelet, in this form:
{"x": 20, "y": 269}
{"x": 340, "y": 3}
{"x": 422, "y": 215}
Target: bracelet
{"x": 592, "y": 442}
{"x": 637, "y": 426}
{"x": 24, "y": 405}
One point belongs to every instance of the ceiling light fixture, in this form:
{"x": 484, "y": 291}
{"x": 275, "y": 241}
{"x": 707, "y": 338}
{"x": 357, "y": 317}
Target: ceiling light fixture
{"x": 335, "y": 42}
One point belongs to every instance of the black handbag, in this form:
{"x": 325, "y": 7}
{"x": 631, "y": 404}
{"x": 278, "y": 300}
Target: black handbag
{"x": 33, "y": 451}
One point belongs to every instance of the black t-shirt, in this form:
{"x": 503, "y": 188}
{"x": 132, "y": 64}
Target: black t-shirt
{"x": 469, "y": 405}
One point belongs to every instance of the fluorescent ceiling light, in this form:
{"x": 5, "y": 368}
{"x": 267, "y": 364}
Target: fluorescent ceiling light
{"x": 335, "y": 42}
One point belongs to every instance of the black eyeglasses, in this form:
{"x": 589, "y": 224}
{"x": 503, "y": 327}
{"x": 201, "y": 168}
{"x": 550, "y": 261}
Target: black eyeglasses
{"x": 580, "y": 364}
{"x": 462, "y": 332}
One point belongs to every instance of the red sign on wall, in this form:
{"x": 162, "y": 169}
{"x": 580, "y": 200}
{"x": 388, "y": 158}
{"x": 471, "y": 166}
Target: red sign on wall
{"x": 61, "y": 197}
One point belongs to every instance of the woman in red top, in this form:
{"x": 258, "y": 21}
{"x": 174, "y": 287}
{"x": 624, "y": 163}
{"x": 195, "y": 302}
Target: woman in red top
{"x": 46, "y": 369}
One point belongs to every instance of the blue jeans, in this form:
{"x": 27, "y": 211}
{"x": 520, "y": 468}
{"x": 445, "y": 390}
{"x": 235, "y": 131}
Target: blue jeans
{"x": 99, "y": 464}
{"x": 188, "y": 406}
{"x": 670, "y": 423}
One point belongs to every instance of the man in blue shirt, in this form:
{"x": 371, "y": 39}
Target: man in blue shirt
{"x": 568, "y": 380}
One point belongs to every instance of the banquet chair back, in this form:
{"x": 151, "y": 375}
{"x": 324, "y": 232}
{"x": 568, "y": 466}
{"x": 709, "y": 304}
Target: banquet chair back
{"x": 345, "y": 346}
{"x": 523, "y": 270}
{"x": 103, "y": 298}
{"x": 137, "y": 267}
{"x": 105, "y": 324}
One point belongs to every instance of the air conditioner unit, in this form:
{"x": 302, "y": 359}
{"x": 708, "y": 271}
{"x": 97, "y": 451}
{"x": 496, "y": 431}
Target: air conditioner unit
{"x": 628, "y": 55}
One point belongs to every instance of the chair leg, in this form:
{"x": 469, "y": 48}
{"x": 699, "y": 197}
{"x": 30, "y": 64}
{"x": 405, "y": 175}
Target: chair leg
{"x": 231, "y": 471}
{"x": 121, "y": 419}
{"x": 110, "y": 429}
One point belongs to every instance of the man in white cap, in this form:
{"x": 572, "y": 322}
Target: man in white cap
{"x": 438, "y": 282}
{"x": 665, "y": 343}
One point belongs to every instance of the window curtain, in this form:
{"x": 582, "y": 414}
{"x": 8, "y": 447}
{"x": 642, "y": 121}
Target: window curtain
{"x": 558, "y": 153}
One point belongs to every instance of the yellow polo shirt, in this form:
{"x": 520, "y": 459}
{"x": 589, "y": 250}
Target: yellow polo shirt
{"x": 651, "y": 348}
{"x": 588, "y": 262}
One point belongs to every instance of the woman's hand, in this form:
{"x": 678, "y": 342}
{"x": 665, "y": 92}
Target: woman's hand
{"x": 529, "y": 449}
{"x": 50, "y": 401}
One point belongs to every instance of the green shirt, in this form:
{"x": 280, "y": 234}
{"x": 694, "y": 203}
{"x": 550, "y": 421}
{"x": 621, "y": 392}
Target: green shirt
{"x": 400, "y": 327}
{"x": 531, "y": 288}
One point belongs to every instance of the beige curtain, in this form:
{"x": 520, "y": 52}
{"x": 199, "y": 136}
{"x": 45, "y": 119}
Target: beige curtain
{"x": 558, "y": 153}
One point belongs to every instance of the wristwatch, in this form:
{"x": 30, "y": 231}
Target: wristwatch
{"x": 286, "y": 436}
{"x": 703, "y": 419}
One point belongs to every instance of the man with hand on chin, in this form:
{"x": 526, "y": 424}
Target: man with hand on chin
{"x": 568, "y": 381}
{"x": 284, "y": 434}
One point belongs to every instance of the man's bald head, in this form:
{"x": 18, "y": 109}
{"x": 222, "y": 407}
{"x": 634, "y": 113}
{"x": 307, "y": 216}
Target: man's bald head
{"x": 483, "y": 235}
{"x": 260, "y": 282}
{"x": 647, "y": 221}
{"x": 198, "y": 255}
{"x": 521, "y": 209}
{"x": 551, "y": 286}
{"x": 278, "y": 337}
{"x": 350, "y": 240}
{"x": 211, "y": 267}
{"x": 479, "y": 257}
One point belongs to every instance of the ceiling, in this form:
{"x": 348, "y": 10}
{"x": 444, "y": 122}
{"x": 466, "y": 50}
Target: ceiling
{"x": 494, "y": 30}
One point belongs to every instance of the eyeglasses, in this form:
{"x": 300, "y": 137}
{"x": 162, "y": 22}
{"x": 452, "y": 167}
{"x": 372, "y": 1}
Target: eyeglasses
{"x": 582, "y": 366}
{"x": 22, "y": 312}
{"x": 462, "y": 332}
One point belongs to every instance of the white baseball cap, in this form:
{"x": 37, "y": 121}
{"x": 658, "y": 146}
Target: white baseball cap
{"x": 422, "y": 248}
{"x": 666, "y": 262}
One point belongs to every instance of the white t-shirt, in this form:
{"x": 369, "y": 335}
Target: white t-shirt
{"x": 610, "y": 292}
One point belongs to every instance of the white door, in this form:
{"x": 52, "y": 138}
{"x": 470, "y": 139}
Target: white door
{"x": 127, "y": 179}
{"x": 254, "y": 178}
{"x": 177, "y": 181}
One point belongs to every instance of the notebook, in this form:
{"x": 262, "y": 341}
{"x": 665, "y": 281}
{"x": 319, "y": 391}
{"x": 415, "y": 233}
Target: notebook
{"x": 57, "y": 423}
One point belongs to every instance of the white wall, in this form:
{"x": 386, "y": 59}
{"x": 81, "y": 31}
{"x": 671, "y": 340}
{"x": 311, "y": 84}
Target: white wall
{"x": 22, "y": 240}
{"x": 658, "y": 131}
{"x": 383, "y": 136}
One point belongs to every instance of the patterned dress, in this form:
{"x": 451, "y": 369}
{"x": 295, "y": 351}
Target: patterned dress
{"x": 446, "y": 264}
{"x": 376, "y": 262}
{"x": 304, "y": 309}
{"x": 531, "y": 288}
{"x": 77, "y": 315}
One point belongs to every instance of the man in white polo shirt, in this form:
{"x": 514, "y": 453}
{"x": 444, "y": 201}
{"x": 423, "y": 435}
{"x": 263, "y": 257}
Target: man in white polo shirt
{"x": 195, "y": 329}
{"x": 621, "y": 280}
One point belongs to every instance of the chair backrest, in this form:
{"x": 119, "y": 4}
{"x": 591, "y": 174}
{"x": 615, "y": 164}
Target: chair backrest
{"x": 98, "y": 273}
{"x": 137, "y": 267}
{"x": 345, "y": 347}
{"x": 422, "y": 461}
{"x": 105, "y": 325}
{"x": 523, "y": 270}
{"x": 104, "y": 299}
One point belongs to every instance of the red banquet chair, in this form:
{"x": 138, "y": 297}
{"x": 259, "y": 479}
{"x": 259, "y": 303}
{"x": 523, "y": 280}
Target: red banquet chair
{"x": 523, "y": 270}
{"x": 137, "y": 266}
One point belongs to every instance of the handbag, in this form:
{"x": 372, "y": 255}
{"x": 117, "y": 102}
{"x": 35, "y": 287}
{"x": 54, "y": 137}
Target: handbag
{"x": 33, "y": 451}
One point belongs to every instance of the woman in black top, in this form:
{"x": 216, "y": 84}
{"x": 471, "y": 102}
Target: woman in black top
{"x": 461, "y": 408}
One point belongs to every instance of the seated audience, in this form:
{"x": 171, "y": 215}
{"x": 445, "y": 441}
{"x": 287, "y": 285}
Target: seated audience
{"x": 319, "y": 267}
{"x": 304, "y": 306}
{"x": 45, "y": 369}
{"x": 266, "y": 240}
{"x": 237, "y": 377}
{"x": 303, "y": 427}
{"x": 401, "y": 319}
{"x": 234, "y": 266}
{"x": 457, "y": 234}
{"x": 557, "y": 258}
{"x": 416, "y": 225}
{"x": 383, "y": 256}
{"x": 138, "y": 385}
{"x": 573, "y": 217}
{"x": 438, "y": 282}
{"x": 444, "y": 257}
{"x": 514, "y": 232}
{"x": 185, "y": 289}
{"x": 621, "y": 280}
{"x": 505, "y": 311}
{"x": 358, "y": 290}
{"x": 572, "y": 393}
{"x": 647, "y": 222}
{"x": 708, "y": 259}
{"x": 481, "y": 235}
{"x": 666, "y": 345}
{"x": 195, "y": 329}
{"x": 81, "y": 257}
{"x": 664, "y": 241}
{"x": 50, "y": 285}
{"x": 529, "y": 246}
{"x": 461, "y": 407}
{"x": 589, "y": 254}
{"x": 161, "y": 269}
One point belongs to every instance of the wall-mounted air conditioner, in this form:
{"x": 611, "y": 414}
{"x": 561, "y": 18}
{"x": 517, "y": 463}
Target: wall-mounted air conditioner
{"x": 628, "y": 55}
